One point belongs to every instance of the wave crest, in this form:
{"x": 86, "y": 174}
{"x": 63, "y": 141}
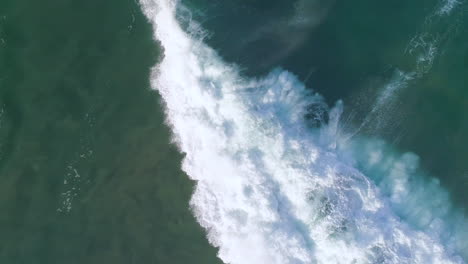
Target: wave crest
{"x": 270, "y": 188}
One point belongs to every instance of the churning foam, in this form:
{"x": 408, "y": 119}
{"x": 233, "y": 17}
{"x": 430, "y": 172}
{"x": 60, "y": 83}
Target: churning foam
{"x": 271, "y": 190}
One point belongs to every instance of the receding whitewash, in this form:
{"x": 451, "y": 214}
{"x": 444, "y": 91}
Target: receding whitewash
{"x": 270, "y": 190}
{"x": 73, "y": 181}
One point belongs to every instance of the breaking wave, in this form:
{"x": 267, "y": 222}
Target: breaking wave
{"x": 272, "y": 186}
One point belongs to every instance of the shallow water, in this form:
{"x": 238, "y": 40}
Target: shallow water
{"x": 87, "y": 171}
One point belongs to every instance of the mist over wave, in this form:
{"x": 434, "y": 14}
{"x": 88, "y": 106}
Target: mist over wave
{"x": 278, "y": 180}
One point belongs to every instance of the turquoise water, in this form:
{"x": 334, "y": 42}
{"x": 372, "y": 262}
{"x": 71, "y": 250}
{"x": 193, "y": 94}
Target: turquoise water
{"x": 92, "y": 173}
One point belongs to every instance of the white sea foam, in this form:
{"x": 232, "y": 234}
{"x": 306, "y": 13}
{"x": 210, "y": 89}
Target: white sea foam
{"x": 423, "y": 48}
{"x": 447, "y": 6}
{"x": 272, "y": 190}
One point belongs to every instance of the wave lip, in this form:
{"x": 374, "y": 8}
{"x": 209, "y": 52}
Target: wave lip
{"x": 269, "y": 188}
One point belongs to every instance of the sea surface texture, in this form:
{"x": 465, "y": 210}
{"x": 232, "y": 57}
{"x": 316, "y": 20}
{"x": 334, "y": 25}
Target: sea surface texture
{"x": 233, "y": 131}
{"x": 282, "y": 175}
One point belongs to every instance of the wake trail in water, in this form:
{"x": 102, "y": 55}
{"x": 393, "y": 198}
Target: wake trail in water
{"x": 269, "y": 189}
{"x": 423, "y": 48}
{"x": 447, "y": 6}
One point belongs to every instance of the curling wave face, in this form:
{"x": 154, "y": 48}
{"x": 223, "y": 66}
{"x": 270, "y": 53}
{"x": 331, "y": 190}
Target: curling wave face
{"x": 271, "y": 188}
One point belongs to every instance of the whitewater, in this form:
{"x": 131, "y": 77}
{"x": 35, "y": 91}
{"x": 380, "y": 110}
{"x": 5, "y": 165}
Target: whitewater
{"x": 272, "y": 187}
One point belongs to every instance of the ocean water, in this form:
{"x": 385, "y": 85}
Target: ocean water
{"x": 88, "y": 174}
{"x": 285, "y": 175}
{"x": 194, "y": 131}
